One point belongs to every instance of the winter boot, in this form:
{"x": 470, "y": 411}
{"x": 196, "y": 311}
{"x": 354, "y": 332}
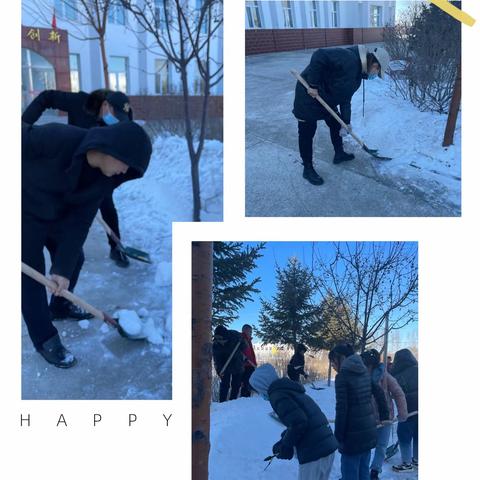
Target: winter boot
{"x": 61, "y": 309}
{"x": 119, "y": 257}
{"x": 341, "y": 156}
{"x": 374, "y": 475}
{"x": 404, "y": 467}
{"x": 55, "y": 353}
{"x": 311, "y": 175}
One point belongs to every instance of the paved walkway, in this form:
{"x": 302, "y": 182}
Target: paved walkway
{"x": 274, "y": 182}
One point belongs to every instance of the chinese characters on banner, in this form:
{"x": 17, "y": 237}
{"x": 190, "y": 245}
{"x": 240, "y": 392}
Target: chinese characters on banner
{"x": 34, "y": 34}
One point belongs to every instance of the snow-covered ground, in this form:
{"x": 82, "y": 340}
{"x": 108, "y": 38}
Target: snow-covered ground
{"x": 242, "y": 435}
{"x": 412, "y": 138}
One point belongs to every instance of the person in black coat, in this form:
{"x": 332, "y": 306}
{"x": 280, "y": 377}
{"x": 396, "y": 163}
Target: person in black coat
{"x": 355, "y": 423}
{"x": 405, "y": 371}
{"x": 296, "y": 367}
{"x": 308, "y": 431}
{"x": 335, "y": 74}
{"x": 66, "y": 173}
{"x": 99, "y": 108}
{"x": 226, "y": 344}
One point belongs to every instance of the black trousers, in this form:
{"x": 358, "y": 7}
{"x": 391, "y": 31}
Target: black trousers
{"x": 233, "y": 380}
{"x": 109, "y": 214}
{"x": 306, "y": 132}
{"x": 35, "y": 236}
{"x": 246, "y": 390}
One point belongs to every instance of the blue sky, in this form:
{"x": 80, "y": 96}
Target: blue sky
{"x": 278, "y": 253}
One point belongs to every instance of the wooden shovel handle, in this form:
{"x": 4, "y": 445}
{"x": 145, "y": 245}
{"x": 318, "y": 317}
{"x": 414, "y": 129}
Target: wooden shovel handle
{"x": 327, "y": 107}
{"x": 32, "y": 273}
{"x": 109, "y": 231}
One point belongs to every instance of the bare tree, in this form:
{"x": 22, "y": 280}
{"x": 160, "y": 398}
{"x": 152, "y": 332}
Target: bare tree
{"x": 92, "y": 14}
{"x": 184, "y": 36}
{"x": 371, "y": 282}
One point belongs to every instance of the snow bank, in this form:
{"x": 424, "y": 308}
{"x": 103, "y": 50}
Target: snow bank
{"x": 147, "y": 208}
{"x": 242, "y": 435}
{"x": 413, "y": 138}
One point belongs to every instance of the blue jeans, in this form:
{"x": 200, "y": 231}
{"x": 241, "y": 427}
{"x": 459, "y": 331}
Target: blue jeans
{"x": 407, "y": 435}
{"x": 355, "y": 467}
{"x": 383, "y": 435}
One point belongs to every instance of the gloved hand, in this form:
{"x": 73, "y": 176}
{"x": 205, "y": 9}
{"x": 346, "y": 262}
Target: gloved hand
{"x": 283, "y": 452}
{"x": 344, "y": 131}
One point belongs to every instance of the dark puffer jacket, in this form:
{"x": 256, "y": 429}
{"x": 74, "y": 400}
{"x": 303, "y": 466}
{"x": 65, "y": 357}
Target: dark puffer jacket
{"x": 355, "y": 424}
{"x": 405, "y": 371}
{"x": 223, "y": 349}
{"x": 307, "y": 426}
{"x": 296, "y": 367}
{"x": 337, "y": 74}
{"x": 60, "y": 187}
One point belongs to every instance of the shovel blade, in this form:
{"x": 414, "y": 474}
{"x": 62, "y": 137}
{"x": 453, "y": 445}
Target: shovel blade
{"x": 113, "y": 322}
{"x": 374, "y": 153}
{"x": 137, "y": 254}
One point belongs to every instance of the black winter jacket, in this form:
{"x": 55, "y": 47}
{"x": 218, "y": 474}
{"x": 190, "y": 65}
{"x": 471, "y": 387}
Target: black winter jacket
{"x": 71, "y": 102}
{"x": 307, "y": 426}
{"x": 355, "y": 424}
{"x": 59, "y": 186}
{"x": 337, "y": 74}
{"x": 222, "y": 351}
{"x": 296, "y": 367}
{"x": 405, "y": 371}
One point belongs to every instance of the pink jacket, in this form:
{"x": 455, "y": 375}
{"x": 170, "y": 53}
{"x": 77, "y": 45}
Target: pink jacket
{"x": 393, "y": 392}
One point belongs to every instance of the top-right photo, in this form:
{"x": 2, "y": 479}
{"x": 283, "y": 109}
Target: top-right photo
{"x": 353, "y": 109}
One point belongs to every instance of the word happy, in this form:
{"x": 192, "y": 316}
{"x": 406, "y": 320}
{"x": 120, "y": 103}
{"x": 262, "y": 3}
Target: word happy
{"x": 63, "y": 420}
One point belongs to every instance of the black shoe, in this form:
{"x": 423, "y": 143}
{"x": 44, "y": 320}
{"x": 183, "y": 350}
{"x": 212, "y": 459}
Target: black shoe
{"x": 119, "y": 257}
{"x": 311, "y": 175}
{"x": 55, "y": 353}
{"x": 61, "y": 309}
{"x": 374, "y": 475}
{"x": 404, "y": 467}
{"x": 342, "y": 156}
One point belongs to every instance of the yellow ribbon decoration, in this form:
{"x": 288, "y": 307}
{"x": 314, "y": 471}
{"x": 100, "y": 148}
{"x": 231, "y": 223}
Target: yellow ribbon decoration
{"x": 455, "y": 12}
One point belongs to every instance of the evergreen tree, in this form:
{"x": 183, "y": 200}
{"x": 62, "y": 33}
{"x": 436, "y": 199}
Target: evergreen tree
{"x": 232, "y": 262}
{"x": 291, "y": 317}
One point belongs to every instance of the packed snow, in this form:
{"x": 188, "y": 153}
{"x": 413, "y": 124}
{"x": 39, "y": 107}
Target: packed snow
{"x": 242, "y": 434}
{"x": 412, "y": 138}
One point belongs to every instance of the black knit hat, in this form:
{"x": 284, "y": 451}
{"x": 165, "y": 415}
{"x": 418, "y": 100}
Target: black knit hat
{"x": 342, "y": 349}
{"x": 371, "y": 358}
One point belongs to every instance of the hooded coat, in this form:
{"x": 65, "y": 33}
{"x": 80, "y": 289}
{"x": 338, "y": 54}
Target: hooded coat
{"x": 296, "y": 366}
{"x": 405, "y": 371}
{"x": 355, "y": 424}
{"x": 337, "y": 74}
{"x": 60, "y": 188}
{"x": 307, "y": 427}
{"x": 223, "y": 349}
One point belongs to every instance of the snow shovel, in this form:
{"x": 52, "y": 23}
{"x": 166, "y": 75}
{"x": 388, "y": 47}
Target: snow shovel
{"x": 32, "y": 273}
{"x": 370, "y": 151}
{"x": 314, "y": 387}
{"x": 229, "y": 359}
{"x": 131, "y": 252}
{"x": 269, "y": 459}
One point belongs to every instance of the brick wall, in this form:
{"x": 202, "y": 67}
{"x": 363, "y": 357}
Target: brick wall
{"x": 170, "y": 107}
{"x": 282, "y": 40}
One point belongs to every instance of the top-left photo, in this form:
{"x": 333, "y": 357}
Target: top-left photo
{"x": 122, "y": 134}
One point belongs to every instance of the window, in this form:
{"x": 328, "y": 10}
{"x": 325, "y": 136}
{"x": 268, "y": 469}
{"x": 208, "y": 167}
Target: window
{"x": 375, "y": 16}
{"x": 118, "y": 73}
{"x": 66, "y": 9}
{"x": 287, "y": 14}
{"x": 75, "y": 72}
{"x": 335, "y": 13}
{"x": 38, "y": 74}
{"x": 253, "y": 15}
{"x": 314, "y": 18}
{"x": 116, "y": 13}
{"x": 162, "y": 77}
{"x": 161, "y": 6}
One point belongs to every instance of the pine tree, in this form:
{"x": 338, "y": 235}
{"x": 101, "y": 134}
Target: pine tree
{"x": 291, "y": 317}
{"x": 232, "y": 262}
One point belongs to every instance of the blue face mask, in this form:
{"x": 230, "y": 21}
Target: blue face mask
{"x": 109, "y": 119}
{"x": 372, "y": 76}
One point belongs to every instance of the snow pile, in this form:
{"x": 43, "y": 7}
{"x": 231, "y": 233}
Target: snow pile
{"x": 139, "y": 325}
{"x": 242, "y": 435}
{"x": 411, "y": 137}
{"x": 147, "y": 208}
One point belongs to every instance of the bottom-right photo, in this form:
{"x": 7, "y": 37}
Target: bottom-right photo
{"x": 305, "y": 360}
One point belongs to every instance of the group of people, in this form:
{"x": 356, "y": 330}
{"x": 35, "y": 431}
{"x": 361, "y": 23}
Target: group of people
{"x": 370, "y": 398}
{"x": 69, "y": 172}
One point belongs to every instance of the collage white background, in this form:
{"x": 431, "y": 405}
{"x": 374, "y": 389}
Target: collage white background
{"x": 449, "y": 319}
